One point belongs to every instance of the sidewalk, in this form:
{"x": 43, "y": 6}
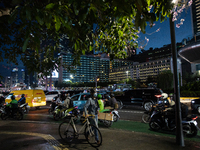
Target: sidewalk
{"x": 44, "y": 136}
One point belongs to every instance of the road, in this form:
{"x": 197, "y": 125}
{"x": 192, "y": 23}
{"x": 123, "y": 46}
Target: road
{"x": 38, "y": 130}
{"x": 133, "y": 113}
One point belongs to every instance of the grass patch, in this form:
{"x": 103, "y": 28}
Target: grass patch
{"x": 144, "y": 128}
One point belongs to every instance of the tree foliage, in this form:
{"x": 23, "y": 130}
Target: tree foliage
{"x": 165, "y": 80}
{"x": 34, "y": 28}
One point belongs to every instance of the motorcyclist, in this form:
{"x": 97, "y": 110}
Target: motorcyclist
{"x": 22, "y": 100}
{"x": 58, "y": 100}
{"x": 107, "y": 100}
{"x": 100, "y": 101}
{"x": 13, "y": 105}
{"x": 2, "y": 99}
{"x": 66, "y": 101}
{"x": 113, "y": 101}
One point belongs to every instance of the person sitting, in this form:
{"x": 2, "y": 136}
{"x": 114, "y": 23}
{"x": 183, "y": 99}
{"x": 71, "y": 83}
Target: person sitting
{"x": 2, "y": 99}
{"x": 113, "y": 102}
{"x": 22, "y": 100}
{"x": 100, "y": 101}
{"x": 13, "y": 105}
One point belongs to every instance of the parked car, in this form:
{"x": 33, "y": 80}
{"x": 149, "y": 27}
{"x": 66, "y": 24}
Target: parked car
{"x": 145, "y": 97}
{"x": 195, "y": 105}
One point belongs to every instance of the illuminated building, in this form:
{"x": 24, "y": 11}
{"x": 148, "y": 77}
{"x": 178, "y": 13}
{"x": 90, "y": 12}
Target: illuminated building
{"x": 142, "y": 70}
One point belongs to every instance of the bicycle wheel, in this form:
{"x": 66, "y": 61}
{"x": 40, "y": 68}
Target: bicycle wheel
{"x": 93, "y": 136}
{"x": 66, "y": 132}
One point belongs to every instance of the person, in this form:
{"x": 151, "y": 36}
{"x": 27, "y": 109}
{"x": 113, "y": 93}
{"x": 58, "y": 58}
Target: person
{"x": 92, "y": 107}
{"x": 13, "y": 105}
{"x": 2, "y": 99}
{"x": 113, "y": 101}
{"x": 58, "y": 100}
{"x": 100, "y": 102}
{"x": 66, "y": 101}
{"x": 22, "y": 100}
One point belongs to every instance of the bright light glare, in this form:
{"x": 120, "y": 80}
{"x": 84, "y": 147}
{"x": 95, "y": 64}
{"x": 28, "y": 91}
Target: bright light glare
{"x": 174, "y": 1}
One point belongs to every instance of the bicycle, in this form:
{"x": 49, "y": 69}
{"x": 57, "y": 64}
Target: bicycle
{"x": 68, "y": 131}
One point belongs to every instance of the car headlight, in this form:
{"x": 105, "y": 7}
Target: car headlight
{"x": 193, "y": 101}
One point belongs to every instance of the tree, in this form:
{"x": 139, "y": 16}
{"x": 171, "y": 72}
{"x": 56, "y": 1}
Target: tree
{"x": 151, "y": 79}
{"x": 33, "y": 29}
{"x": 165, "y": 80}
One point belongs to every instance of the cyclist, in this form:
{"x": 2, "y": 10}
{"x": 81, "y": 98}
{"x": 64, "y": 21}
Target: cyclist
{"x": 92, "y": 107}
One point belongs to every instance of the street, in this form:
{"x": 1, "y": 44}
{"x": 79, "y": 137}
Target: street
{"x": 38, "y": 130}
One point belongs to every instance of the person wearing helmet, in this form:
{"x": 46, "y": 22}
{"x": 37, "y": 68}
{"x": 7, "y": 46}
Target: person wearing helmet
{"x": 113, "y": 101}
{"x": 13, "y": 105}
{"x": 100, "y": 101}
{"x": 92, "y": 107}
{"x": 22, "y": 100}
{"x": 58, "y": 100}
{"x": 66, "y": 101}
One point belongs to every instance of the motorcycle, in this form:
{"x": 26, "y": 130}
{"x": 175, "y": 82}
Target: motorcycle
{"x": 109, "y": 122}
{"x": 115, "y": 115}
{"x": 6, "y": 112}
{"x": 57, "y": 113}
{"x": 161, "y": 104}
{"x": 52, "y": 108}
{"x": 60, "y": 112}
{"x": 160, "y": 120}
{"x": 24, "y": 108}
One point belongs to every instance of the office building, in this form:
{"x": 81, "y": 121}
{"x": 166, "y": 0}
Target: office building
{"x": 91, "y": 66}
{"x": 143, "y": 70}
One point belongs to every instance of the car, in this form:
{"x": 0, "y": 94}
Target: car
{"x": 50, "y": 95}
{"x": 145, "y": 97}
{"x": 195, "y": 105}
{"x": 81, "y": 99}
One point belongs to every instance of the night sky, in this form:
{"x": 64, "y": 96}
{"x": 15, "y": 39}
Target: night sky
{"x": 162, "y": 37}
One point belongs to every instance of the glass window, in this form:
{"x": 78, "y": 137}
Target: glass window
{"x": 75, "y": 98}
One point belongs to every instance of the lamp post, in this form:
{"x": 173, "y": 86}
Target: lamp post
{"x": 179, "y": 129}
{"x": 127, "y": 75}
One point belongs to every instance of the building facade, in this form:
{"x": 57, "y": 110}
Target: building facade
{"x": 91, "y": 66}
{"x": 143, "y": 70}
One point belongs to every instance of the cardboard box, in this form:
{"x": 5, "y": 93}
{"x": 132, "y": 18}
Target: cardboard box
{"x": 105, "y": 116}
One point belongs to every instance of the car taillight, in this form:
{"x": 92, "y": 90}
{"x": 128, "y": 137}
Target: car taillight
{"x": 32, "y": 100}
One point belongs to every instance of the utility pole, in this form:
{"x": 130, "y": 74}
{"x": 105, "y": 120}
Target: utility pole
{"x": 179, "y": 129}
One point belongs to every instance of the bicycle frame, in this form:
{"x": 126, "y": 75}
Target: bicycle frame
{"x": 87, "y": 123}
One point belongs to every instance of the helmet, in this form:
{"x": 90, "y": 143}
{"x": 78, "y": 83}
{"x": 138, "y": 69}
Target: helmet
{"x": 12, "y": 97}
{"x": 22, "y": 95}
{"x": 99, "y": 96}
{"x": 112, "y": 95}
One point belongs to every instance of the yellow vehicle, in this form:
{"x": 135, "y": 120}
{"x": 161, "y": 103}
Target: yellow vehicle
{"x": 34, "y": 98}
